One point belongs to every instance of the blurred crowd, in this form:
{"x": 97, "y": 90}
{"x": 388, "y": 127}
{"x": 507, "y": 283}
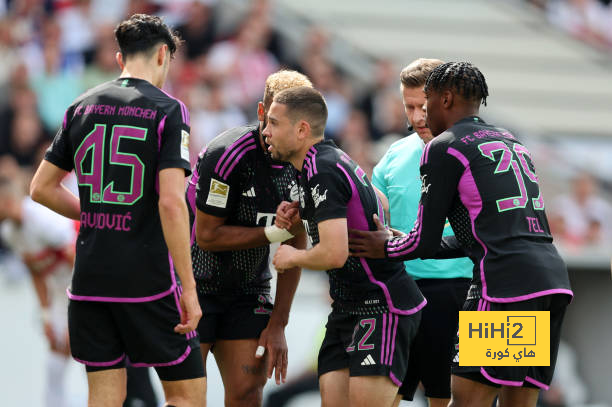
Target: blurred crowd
{"x": 587, "y": 20}
{"x": 53, "y": 50}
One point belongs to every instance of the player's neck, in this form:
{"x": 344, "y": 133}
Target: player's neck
{"x": 460, "y": 114}
{"x": 137, "y": 68}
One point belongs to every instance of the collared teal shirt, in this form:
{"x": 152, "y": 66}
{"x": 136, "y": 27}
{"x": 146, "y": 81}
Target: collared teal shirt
{"x": 397, "y": 175}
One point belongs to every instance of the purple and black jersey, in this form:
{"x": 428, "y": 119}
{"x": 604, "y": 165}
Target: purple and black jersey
{"x": 235, "y": 179}
{"x": 117, "y": 137}
{"x": 331, "y": 186}
{"x": 483, "y": 179}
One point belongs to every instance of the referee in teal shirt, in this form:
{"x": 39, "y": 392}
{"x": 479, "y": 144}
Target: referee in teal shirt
{"x": 443, "y": 282}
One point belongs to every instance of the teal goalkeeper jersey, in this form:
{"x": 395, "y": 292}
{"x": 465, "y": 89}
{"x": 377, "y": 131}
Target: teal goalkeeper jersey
{"x": 397, "y": 175}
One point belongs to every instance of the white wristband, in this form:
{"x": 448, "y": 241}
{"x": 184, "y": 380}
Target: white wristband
{"x": 276, "y": 234}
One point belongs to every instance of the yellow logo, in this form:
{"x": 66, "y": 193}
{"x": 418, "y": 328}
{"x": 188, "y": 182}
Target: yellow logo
{"x": 217, "y": 194}
{"x": 504, "y": 338}
{"x": 217, "y": 187}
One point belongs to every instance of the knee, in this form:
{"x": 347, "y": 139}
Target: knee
{"x": 182, "y": 401}
{"x": 245, "y": 396}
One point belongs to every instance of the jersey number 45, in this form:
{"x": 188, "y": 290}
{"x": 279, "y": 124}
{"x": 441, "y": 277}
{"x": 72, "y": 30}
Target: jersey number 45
{"x": 93, "y": 176}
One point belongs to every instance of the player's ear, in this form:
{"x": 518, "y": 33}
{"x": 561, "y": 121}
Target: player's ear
{"x": 304, "y": 130}
{"x": 447, "y": 99}
{"x": 261, "y": 116}
{"x": 162, "y": 54}
{"x": 119, "y": 59}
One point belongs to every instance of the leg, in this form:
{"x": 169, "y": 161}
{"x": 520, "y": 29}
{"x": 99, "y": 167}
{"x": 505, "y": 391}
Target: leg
{"x": 398, "y": 399}
{"x": 436, "y": 402}
{"x": 184, "y": 383}
{"x": 243, "y": 375}
{"x": 205, "y": 349}
{"x": 139, "y": 388}
{"x": 185, "y": 393}
{"x": 335, "y": 388}
{"x": 469, "y": 393}
{"x": 367, "y": 391}
{"x": 107, "y": 388}
{"x": 518, "y": 396}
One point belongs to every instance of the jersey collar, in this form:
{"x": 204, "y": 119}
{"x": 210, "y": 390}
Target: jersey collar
{"x": 471, "y": 119}
{"x": 316, "y": 147}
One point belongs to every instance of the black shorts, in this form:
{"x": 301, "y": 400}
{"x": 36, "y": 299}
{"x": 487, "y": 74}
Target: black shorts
{"x": 432, "y": 348}
{"x": 368, "y": 345}
{"x": 517, "y": 376}
{"x": 104, "y": 334}
{"x": 233, "y": 317}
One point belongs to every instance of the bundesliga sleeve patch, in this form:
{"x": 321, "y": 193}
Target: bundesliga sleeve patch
{"x": 217, "y": 194}
{"x": 184, "y": 145}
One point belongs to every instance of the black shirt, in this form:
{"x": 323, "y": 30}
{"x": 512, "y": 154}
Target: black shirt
{"x": 235, "y": 179}
{"x": 117, "y": 137}
{"x": 332, "y": 186}
{"x": 483, "y": 179}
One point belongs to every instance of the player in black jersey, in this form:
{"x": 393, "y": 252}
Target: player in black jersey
{"x": 128, "y": 143}
{"x": 483, "y": 179}
{"x": 233, "y": 194}
{"x": 376, "y": 305}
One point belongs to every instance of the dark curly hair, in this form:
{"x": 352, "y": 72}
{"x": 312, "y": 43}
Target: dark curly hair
{"x": 141, "y": 32}
{"x": 462, "y": 77}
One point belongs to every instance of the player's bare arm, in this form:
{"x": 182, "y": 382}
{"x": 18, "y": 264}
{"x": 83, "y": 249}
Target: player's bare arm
{"x": 272, "y": 338}
{"x": 175, "y": 225}
{"x": 331, "y": 252}
{"x": 47, "y": 189}
{"x": 214, "y": 235}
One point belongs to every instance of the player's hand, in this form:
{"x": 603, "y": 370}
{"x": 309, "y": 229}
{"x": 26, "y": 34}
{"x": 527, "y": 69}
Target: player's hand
{"x": 273, "y": 341}
{"x": 370, "y": 244}
{"x": 283, "y": 258}
{"x": 190, "y": 312}
{"x": 288, "y": 217}
{"x": 397, "y": 233}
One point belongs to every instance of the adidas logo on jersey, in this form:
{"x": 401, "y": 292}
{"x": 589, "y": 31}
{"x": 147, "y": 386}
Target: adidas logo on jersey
{"x": 249, "y": 193}
{"x": 369, "y": 360}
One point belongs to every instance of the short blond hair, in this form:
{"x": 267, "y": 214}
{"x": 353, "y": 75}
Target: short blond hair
{"x": 281, "y": 80}
{"x": 415, "y": 74}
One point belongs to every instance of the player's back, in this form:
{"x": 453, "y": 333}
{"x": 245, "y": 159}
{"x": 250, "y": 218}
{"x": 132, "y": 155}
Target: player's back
{"x": 512, "y": 245}
{"x": 117, "y": 137}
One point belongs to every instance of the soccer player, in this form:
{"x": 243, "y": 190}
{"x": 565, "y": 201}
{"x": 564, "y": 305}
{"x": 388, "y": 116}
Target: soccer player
{"x": 443, "y": 282}
{"x": 376, "y": 305}
{"x": 483, "y": 179}
{"x": 44, "y": 241}
{"x": 128, "y": 144}
{"x": 233, "y": 195}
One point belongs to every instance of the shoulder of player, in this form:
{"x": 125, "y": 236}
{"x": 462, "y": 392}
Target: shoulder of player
{"x": 330, "y": 165}
{"x": 232, "y": 139}
{"x": 82, "y": 98}
{"x": 167, "y": 103}
{"x": 229, "y": 148}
